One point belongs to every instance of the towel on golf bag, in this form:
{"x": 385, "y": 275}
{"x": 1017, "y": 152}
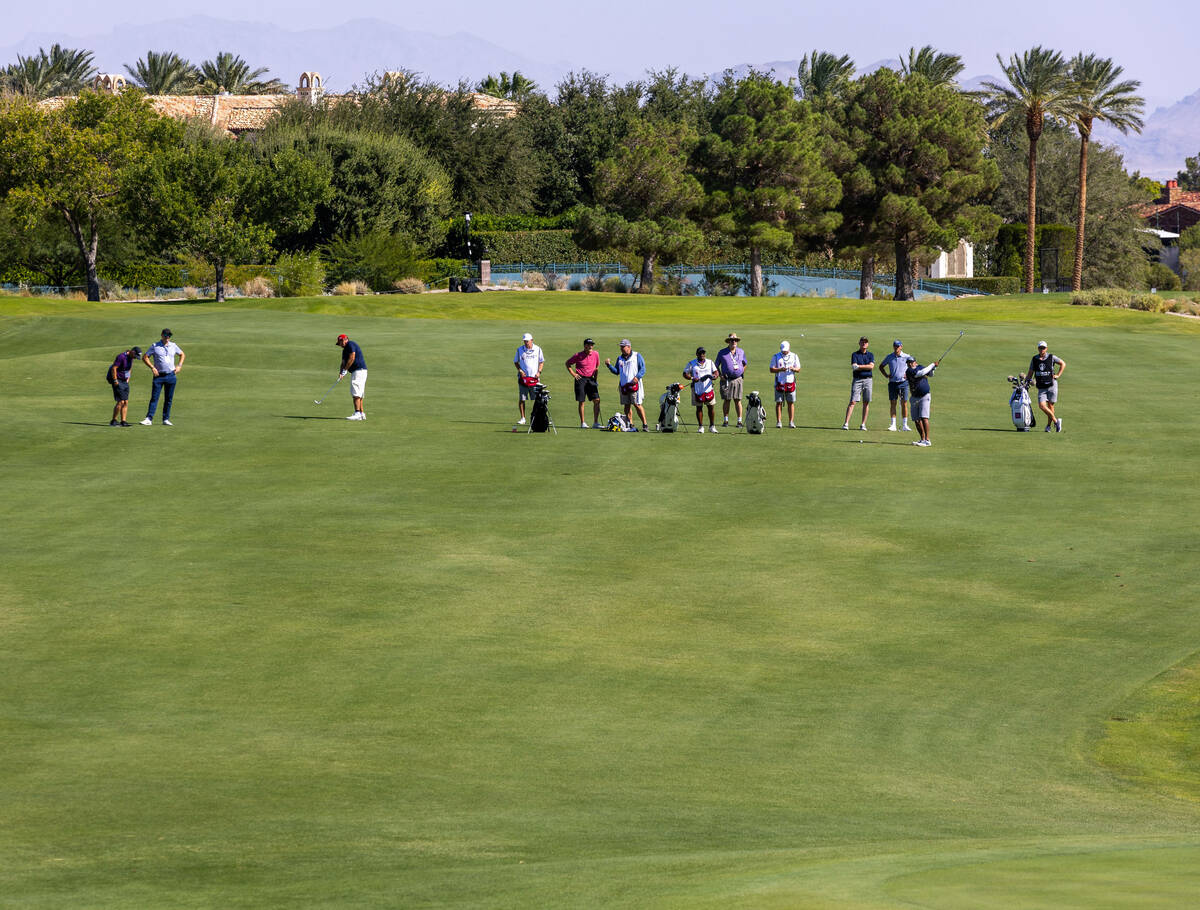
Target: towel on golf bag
{"x": 619, "y": 423}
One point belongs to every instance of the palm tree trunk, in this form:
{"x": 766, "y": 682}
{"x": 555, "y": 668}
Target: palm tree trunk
{"x": 1085, "y": 132}
{"x": 756, "y": 282}
{"x": 866, "y": 281}
{"x": 1031, "y": 221}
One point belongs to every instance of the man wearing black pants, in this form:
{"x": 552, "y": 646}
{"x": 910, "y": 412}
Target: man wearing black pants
{"x": 161, "y": 359}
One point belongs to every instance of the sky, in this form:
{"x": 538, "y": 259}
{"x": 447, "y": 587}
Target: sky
{"x": 701, "y": 36}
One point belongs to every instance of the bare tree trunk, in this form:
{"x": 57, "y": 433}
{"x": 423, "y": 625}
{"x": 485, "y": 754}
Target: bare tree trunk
{"x": 866, "y": 282}
{"x": 904, "y": 279}
{"x": 756, "y": 281}
{"x": 1031, "y": 220}
{"x": 219, "y": 269}
{"x": 87, "y": 252}
{"x": 1085, "y": 132}
{"x": 646, "y": 282}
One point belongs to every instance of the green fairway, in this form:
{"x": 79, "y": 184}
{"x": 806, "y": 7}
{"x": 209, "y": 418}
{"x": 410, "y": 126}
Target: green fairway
{"x": 268, "y": 657}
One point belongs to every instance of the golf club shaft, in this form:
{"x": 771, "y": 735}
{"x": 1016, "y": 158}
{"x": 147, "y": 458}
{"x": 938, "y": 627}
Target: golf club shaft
{"x": 952, "y": 344}
{"x": 321, "y": 400}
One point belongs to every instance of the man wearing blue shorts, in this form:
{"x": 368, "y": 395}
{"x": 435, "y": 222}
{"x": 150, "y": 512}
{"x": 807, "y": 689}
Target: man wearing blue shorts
{"x": 894, "y": 367}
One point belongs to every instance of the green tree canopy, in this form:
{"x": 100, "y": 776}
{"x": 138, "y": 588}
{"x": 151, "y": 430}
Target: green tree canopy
{"x": 77, "y": 164}
{"x": 765, "y": 167}
{"x": 922, "y": 180}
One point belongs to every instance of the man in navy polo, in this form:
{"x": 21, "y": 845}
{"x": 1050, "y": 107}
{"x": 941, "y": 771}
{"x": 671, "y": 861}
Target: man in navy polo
{"x": 118, "y": 378}
{"x": 355, "y": 364}
{"x": 160, "y": 357}
{"x": 862, "y": 366}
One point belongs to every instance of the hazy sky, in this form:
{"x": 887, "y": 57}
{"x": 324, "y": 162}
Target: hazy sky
{"x": 707, "y": 35}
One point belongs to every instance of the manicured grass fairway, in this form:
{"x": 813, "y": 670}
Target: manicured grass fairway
{"x": 271, "y": 658}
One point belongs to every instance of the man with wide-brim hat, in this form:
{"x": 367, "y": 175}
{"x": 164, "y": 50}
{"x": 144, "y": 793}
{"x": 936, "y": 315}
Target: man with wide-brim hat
{"x": 731, "y": 363}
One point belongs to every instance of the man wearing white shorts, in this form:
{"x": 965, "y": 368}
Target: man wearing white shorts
{"x": 1041, "y": 368}
{"x": 701, "y": 372}
{"x": 630, "y": 370}
{"x": 919, "y": 397}
{"x": 355, "y": 364}
{"x": 862, "y": 366}
{"x": 528, "y": 360}
{"x": 785, "y": 365}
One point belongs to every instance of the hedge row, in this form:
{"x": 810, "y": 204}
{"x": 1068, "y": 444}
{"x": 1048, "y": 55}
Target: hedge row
{"x": 1006, "y": 284}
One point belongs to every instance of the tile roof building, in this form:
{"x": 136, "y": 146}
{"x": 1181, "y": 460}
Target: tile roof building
{"x": 1175, "y": 210}
{"x": 241, "y": 114}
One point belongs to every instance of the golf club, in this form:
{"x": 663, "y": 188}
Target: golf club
{"x": 952, "y": 344}
{"x": 327, "y": 391}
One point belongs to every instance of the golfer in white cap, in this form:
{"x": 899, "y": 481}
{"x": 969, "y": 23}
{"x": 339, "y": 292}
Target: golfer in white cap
{"x": 1041, "y": 368}
{"x": 785, "y": 365}
{"x": 528, "y": 360}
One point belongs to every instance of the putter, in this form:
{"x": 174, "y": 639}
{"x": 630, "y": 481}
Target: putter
{"x": 952, "y": 344}
{"x": 327, "y": 391}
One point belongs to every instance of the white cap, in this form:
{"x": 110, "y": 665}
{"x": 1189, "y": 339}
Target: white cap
{"x": 784, "y": 346}
{"x": 1041, "y": 344}
{"x": 527, "y": 337}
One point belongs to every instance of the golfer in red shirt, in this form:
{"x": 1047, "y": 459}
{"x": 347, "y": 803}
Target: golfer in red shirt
{"x": 583, "y": 367}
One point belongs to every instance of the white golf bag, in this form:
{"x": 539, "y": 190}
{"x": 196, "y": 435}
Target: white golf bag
{"x": 668, "y": 409}
{"x": 1022, "y": 407}
{"x": 756, "y": 414}
{"x": 619, "y": 423}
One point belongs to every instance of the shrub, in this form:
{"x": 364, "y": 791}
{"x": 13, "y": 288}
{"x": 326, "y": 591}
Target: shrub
{"x": 258, "y": 286}
{"x": 879, "y": 292}
{"x": 377, "y": 259}
{"x": 533, "y": 280}
{"x": 1189, "y": 261}
{"x": 300, "y": 275}
{"x": 1003, "y": 284}
{"x": 111, "y": 290}
{"x": 555, "y": 282}
{"x": 191, "y": 293}
{"x": 410, "y": 286}
{"x": 344, "y": 288}
{"x": 720, "y": 284}
{"x": 614, "y": 285}
{"x": 1161, "y": 277}
{"x": 575, "y": 284}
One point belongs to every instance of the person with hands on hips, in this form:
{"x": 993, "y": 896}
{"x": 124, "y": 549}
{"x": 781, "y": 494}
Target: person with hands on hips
{"x": 161, "y": 358}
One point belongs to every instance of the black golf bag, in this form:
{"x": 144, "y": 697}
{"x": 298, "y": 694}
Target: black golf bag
{"x": 1021, "y": 406}
{"x": 539, "y": 419}
{"x": 668, "y": 409}
{"x": 756, "y": 414}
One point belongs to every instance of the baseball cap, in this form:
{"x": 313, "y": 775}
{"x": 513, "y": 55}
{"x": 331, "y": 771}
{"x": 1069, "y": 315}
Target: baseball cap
{"x": 527, "y": 337}
{"x": 732, "y": 336}
{"x": 700, "y": 351}
{"x": 864, "y": 338}
{"x": 588, "y": 341}
{"x": 897, "y": 343}
{"x": 166, "y": 333}
{"x": 340, "y": 339}
{"x": 626, "y": 341}
{"x": 910, "y": 359}
{"x": 135, "y": 351}
{"x": 1041, "y": 344}
{"x": 784, "y": 346}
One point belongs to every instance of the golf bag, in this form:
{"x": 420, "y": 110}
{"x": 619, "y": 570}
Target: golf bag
{"x": 1021, "y": 406}
{"x": 668, "y": 409}
{"x": 756, "y": 414}
{"x": 619, "y": 423}
{"x": 539, "y": 418}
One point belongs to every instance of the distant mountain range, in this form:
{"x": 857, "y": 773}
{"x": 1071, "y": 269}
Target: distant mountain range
{"x": 347, "y": 54}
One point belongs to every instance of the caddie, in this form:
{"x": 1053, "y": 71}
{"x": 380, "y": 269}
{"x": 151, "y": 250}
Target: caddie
{"x": 528, "y": 360}
{"x": 630, "y": 369}
{"x": 784, "y": 366}
{"x": 701, "y": 372}
{"x": 1041, "y": 368}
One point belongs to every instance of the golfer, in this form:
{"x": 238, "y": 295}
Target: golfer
{"x": 732, "y": 362}
{"x": 1041, "y": 368}
{"x": 118, "y": 378}
{"x": 160, "y": 357}
{"x": 785, "y": 365}
{"x": 701, "y": 372}
{"x": 919, "y": 394}
{"x": 355, "y": 364}
{"x": 583, "y": 368}
{"x": 629, "y": 370}
{"x": 862, "y": 365}
{"x": 894, "y": 367}
{"x": 528, "y": 360}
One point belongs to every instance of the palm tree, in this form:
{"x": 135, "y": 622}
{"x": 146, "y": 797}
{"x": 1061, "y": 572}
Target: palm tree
{"x": 821, "y": 74}
{"x": 938, "y": 68}
{"x": 518, "y": 87}
{"x": 31, "y": 76}
{"x": 163, "y": 74}
{"x": 1038, "y": 87}
{"x": 228, "y": 72}
{"x": 1098, "y": 96}
{"x": 74, "y": 69}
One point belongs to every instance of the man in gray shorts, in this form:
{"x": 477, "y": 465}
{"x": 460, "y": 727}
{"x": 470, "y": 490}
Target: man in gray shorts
{"x": 1041, "y": 368}
{"x": 732, "y": 362}
{"x": 862, "y": 365}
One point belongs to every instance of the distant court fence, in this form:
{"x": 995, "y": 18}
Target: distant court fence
{"x": 788, "y": 278}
